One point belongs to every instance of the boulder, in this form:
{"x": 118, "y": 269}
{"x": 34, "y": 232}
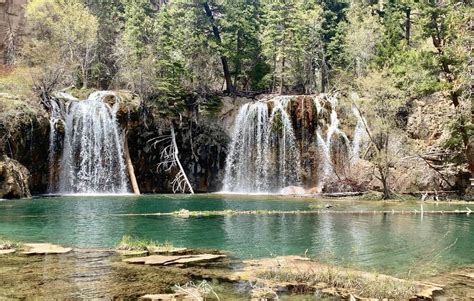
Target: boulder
{"x": 293, "y": 190}
{"x": 14, "y": 179}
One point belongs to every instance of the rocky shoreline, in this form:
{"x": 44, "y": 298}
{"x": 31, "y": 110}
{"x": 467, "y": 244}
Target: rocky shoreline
{"x": 177, "y": 274}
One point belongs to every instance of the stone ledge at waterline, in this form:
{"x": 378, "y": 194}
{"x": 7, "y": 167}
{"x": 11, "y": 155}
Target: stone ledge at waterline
{"x": 32, "y": 248}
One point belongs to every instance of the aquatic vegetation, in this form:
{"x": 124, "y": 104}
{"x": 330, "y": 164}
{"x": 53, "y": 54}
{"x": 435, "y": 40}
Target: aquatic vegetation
{"x": 9, "y": 244}
{"x": 129, "y": 243}
{"x": 360, "y": 284}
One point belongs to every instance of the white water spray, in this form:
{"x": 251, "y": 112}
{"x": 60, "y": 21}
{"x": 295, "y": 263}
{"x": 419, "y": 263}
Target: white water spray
{"x": 92, "y": 158}
{"x": 264, "y": 155}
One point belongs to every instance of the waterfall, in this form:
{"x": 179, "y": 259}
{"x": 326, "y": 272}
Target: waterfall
{"x": 55, "y": 117}
{"x": 360, "y": 133}
{"x": 264, "y": 155}
{"x": 334, "y": 126}
{"x": 92, "y": 155}
{"x": 325, "y": 156}
{"x": 282, "y": 156}
{"x": 244, "y": 165}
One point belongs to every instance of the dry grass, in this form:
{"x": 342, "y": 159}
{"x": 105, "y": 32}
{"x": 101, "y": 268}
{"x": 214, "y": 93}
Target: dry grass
{"x": 356, "y": 283}
{"x": 129, "y": 243}
{"x": 17, "y": 81}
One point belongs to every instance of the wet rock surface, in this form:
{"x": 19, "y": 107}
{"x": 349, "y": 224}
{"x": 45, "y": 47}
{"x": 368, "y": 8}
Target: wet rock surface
{"x": 83, "y": 274}
{"x": 88, "y": 273}
{"x": 14, "y": 179}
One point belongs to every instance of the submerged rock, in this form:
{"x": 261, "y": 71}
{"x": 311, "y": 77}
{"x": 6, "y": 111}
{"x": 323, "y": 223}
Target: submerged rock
{"x": 14, "y": 179}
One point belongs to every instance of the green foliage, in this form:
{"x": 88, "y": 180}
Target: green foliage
{"x": 139, "y": 29}
{"x": 459, "y": 129}
{"x": 290, "y": 40}
{"x": 415, "y": 73}
{"x": 63, "y": 40}
{"x": 212, "y": 105}
{"x": 364, "y": 30}
{"x": 240, "y": 28}
{"x": 108, "y": 14}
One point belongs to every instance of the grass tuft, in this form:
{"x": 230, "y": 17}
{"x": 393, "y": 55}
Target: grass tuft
{"x": 10, "y": 244}
{"x": 129, "y": 243}
{"x": 354, "y": 282}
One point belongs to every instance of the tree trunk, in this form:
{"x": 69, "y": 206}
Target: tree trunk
{"x": 217, "y": 36}
{"x": 467, "y": 147}
{"x": 281, "y": 75}
{"x": 130, "y": 169}
{"x": 324, "y": 74}
{"x": 237, "y": 62}
{"x": 470, "y": 157}
{"x": 386, "y": 189}
{"x": 407, "y": 25}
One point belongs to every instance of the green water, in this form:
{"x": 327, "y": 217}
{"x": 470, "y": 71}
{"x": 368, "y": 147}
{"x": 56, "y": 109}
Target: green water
{"x": 393, "y": 244}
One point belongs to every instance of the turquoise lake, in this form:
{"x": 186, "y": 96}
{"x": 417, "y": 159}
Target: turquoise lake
{"x": 393, "y": 244}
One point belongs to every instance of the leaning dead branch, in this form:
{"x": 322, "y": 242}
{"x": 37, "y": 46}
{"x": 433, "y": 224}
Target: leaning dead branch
{"x": 169, "y": 160}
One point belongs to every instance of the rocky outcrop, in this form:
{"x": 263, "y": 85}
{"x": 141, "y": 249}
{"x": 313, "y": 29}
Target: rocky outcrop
{"x": 202, "y": 152}
{"x": 430, "y": 117}
{"x": 14, "y": 179}
{"x": 24, "y": 135}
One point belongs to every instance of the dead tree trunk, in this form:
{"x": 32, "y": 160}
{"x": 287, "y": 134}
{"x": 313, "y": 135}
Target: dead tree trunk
{"x": 130, "y": 169}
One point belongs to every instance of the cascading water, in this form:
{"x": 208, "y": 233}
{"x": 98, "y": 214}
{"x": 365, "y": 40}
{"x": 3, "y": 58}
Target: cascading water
{"x": 325, "y": 156}
{"x": 244, "y": 166}
{"x": 92, "y": 156}
{"x": 360, "y": 133}
{"x": 264, "y": 154}
{"x": 53, "y": 121}
{"x": 282, "y": 157}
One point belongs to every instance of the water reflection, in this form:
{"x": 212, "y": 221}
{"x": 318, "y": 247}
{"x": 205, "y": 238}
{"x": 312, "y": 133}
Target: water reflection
{"x": 384, "y": 243}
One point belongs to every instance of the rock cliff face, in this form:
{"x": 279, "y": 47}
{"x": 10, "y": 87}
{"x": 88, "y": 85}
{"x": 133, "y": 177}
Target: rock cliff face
{"x": 14, "y": 179}
{"x": 12, "y": 29}
{"x": 203, "y": 139}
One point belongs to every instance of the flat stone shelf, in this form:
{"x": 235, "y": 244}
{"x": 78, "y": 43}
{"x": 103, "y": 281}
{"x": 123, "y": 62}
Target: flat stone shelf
{"x": 173, "y": 259}
{"x": 170, "y": 297}
{"x": 132, "y": 252}
{"x": 44, "y": 249}
{"x": 7, "y": 251}
{"x": 161, "y": 250}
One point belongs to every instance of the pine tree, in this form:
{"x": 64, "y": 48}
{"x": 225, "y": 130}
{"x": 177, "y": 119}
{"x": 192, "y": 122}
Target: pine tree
{"x": 240, "y": 40}
{"x": 108, "y": 13}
